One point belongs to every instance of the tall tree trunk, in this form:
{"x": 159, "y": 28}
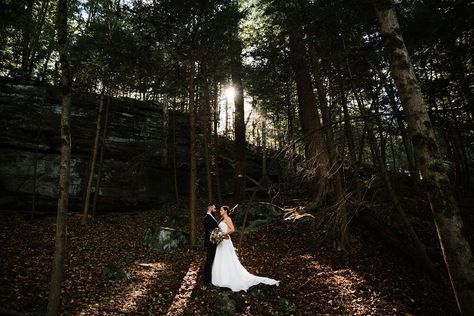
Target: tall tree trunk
{"x": 85, "y": 213}
{"x": 350, "y": 141}
{"x": 264, "y": 148}
{"x": 336, "y": 166}
{"x": 165, "y": 129}
{"x": 215, "y": 145}
{"x": 37, "y": 35}
{"x": 175, "y": 171}
{"x": 239, "y": 125}
{"x": 27, "y": 30}
{"x": 456, "y": 250}
{"x": 57, "y": 274}
{"x": 193, "y": 156}
{"x": 309, "y": 119}
{"x": 101, "y": 158}
{"x": 207, "y": 133}
{"x": 327, "y": 121}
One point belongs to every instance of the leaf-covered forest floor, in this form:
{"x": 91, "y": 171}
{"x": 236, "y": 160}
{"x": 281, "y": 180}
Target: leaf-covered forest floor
{"x": 368, "y": 279}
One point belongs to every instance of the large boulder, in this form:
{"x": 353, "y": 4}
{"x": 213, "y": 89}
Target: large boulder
{"x": 164, "y": 238}
{"x": 259, "y": 214}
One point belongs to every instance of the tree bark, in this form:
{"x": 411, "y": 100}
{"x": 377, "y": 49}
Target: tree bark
{"x": 309, "y": 119}
{"x": 335, "y": 164}
{"x": 215, "y": 145}
{"x": 239, "y": 125}
{"x": 455, "y": 247}
{"x": 193, "y": 157}
{"x": 101, "y": 158}
{"x": 57, "y": 274}
{"x": 206, "y": 113}
{"x": 37, "y": 35}
{"x": 165, "y": 126}
{"x": 175, "y": 171}
{"x": 350, "y": 141}
{"x": 85, "y": 213}
{"x": 27, "y": 26}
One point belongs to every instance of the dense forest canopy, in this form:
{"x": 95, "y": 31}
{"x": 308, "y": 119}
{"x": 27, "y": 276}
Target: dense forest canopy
{"x": 142, "y": 49}
{"x": 339, "y": 94}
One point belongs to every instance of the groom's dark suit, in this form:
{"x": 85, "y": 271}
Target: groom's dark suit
{"x": 209, "y": 224}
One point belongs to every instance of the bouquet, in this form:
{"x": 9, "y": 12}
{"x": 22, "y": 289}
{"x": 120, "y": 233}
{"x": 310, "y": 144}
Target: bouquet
{"x": 216, "y": 236}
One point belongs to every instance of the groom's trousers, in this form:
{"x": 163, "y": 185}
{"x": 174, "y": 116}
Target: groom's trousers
{"x": 211, "y": 253}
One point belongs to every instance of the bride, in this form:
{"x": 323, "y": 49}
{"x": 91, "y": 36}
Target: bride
{"x": 227, "y": 271}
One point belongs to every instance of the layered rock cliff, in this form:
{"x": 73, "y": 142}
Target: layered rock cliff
{"x": 134, "y": 176}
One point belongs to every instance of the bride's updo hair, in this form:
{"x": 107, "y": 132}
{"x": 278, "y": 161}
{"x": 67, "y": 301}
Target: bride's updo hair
{"x": 226, "y": 209}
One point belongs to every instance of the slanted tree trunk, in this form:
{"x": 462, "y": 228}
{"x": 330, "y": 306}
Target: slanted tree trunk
{"x": 85, "y": 213}
{"x": 57, "y": 274}
{"x": 239, "y": 125}
{"x": 193, "y": 156}
{"x": 101, "y": 158}
{"x": 455, "y": 247}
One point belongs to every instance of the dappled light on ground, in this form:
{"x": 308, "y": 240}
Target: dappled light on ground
{"x": 109, "y": 272}
{"x": 181, "y": 298}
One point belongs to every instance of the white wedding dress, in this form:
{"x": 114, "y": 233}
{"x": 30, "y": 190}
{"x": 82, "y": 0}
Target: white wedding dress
{"x": 227, "y": 271}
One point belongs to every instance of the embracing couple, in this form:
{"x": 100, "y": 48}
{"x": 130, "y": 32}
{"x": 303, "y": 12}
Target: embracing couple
{"x": 223, "y": 267}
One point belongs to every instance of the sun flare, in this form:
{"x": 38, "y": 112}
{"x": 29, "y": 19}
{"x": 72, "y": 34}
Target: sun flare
{"x": 230, "y": 94}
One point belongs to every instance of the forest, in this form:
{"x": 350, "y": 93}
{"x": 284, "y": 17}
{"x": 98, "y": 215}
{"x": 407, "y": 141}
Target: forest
{"x": 334, "y": 138}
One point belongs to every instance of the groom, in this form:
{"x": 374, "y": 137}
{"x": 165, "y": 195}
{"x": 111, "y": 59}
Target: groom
{"x": 209, "y": 224}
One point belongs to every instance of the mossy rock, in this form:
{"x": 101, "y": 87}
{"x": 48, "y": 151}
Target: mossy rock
{"x": 164, "y": 238}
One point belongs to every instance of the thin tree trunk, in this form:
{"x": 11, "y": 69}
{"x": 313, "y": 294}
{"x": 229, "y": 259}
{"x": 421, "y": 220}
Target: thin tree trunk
{"x": 164, "y": 148}
{"x": 350, "y": 141}
{"x": 27, "y": 25}
{"x": 239, "y": 125}
{"x": 34, "y": 192}
{"x": 264, "y": 148}
{"x": 193, "y": 157}
{"x": 327, "y": 121}
{"x": 380, "y": 164}
{"x": 37, "y": 35}
{"x": 57, "y": 274}
{"x": 93, "y": 159}
{"x": 206, "y": 113}
{"x": 336, "y": 178}
{"x": 215, "y": 144}
{"x": 175, "y": 171}
{"x": 394, "y": 160}
{"x": 46, "y": 61}
{"x": 456, "y": 250}
{"x": 403, "y": 131}
{"x": 101, "y": 158}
